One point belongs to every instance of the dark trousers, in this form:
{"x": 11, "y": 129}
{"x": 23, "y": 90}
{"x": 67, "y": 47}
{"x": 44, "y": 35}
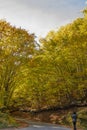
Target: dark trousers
{"x": 74, "y": 125}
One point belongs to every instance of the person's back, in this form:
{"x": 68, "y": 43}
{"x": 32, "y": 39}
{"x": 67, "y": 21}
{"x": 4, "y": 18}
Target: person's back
{"x": 74, "y": 119}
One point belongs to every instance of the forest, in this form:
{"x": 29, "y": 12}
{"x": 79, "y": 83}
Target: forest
{"x": 51, "y": 74}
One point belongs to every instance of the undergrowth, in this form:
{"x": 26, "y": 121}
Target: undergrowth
{"x": 6, "y": 120}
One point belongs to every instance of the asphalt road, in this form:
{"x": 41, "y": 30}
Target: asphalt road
{"x": 36, "y": 126}
{"x": 44, "y": 127}
{"x": 40, "y": 126}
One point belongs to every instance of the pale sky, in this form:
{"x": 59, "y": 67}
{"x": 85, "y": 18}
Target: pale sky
{"x": 40, "y": 16}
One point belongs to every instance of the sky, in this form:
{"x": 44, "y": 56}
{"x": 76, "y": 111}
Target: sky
{"x": 41, "y": 16}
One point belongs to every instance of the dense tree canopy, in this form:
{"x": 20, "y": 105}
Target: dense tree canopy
{"x": 16, "y": 49}
{"x": 65, "y": 56}
{"x": 53, "y": 75}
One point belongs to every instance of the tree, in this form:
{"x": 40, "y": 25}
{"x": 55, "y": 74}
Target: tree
{"x": 65, "y": 51}
{"x": 16, "y": 49}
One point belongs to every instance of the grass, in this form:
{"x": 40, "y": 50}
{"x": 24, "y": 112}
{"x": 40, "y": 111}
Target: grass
{"x": 7, "y": 121}
{"x": 83, "y": 118}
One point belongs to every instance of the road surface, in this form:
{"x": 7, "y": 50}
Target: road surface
{"x": 44, "y": 127}
{"x": 37, "y": 126}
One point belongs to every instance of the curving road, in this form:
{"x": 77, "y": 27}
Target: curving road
{"x": 40, "y": 126}
{"x": 44, "y": 127}
{"x": 36, "y": 126}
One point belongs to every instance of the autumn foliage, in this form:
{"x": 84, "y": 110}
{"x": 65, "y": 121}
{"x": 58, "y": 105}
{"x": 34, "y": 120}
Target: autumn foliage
{"x": 54, "y": 75}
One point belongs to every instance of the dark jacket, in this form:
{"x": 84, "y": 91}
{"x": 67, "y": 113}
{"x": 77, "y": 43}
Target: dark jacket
{"x": 74, "y": 117}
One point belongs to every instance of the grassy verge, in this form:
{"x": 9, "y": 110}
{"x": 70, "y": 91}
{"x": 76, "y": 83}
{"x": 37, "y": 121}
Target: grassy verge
{"x": 7, "y": 121}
